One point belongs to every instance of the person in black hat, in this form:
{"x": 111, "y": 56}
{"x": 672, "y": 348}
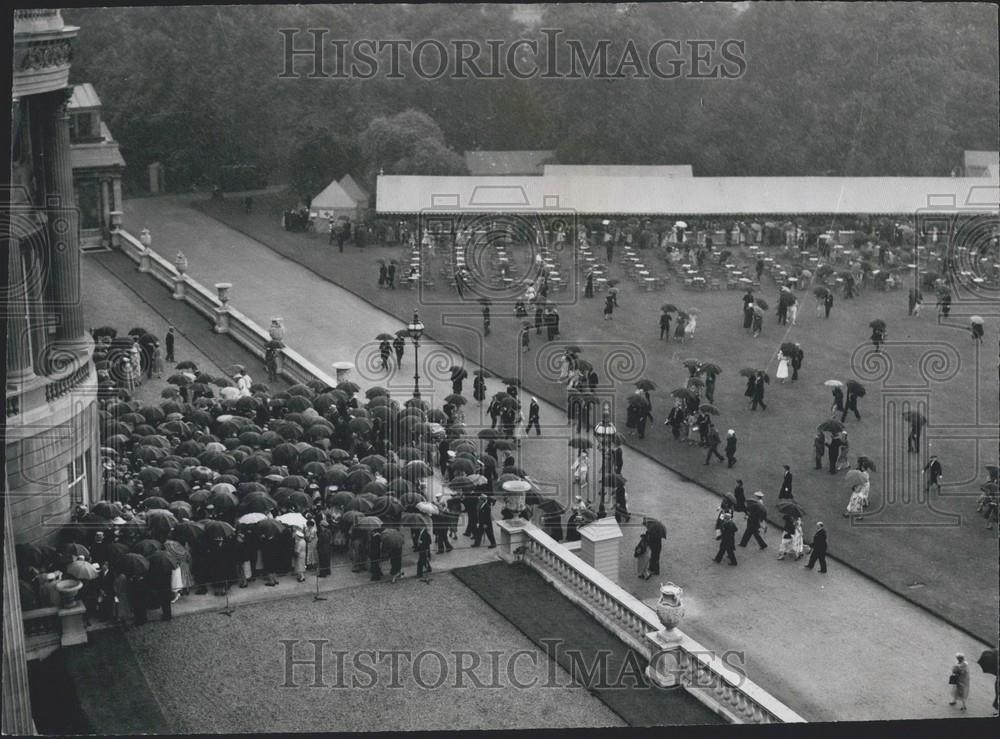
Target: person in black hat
{"x": 755, "y": 521}
{"x": 484, "y": 521}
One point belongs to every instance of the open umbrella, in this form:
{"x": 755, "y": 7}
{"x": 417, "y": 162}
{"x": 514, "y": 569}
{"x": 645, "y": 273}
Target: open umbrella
{"x": 417, "y": 469}
{"x": 683, "y": 392}
{"x": 695, "y": 382}
{"x": 790, "y": 508}
{"x": 458, "y": 373}
{"x": 788, "y": 348}
{"x": 988, "y": 661}
{"x": 132, "y": 565}
{"x": 855, "y": 477}
{"x": 645, "y": 384}
{"x": 914, "y": 417}
{"x": 709, "y": 409}
{"x": 455, "y": 399}
{"x": 978, "y": 320}
{"x": 748, "y": 372}
{"x": 761, "y": 303}
{"x": 878, "y": 324}
{"x": 638, "y": 401}
{"x": 821, "y": 291}
{"x": 384, "y": 337}
{"x": 482, "y": 373}
{"x": 832, "y": 426}
{"x": 580, "y": 442}
{"x": 513, "y": 381}
{"x": 711, "y": 368}
{"x": 834, "y": 383}
{"x": 292, "y": 519}
{"x": 856, "y": 388}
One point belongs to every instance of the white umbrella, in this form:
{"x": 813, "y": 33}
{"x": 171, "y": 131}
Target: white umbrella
{"x": 293, "y": 519}
{"x": 680, "y": 224}
{"x": 517, "y": 486}
{"x": 428, "y": 509}
{"x": 229, "y": 393}
{"x": 834, "y": 383}
{"x": 226, "y": 487}
{"x": 214, "y": 446}
{"x": 977, "y": 320}
{"x": 251, "y": 518}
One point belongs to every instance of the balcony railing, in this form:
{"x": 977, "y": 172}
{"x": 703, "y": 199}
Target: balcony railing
{"x": 62, "y": 386}
{"x": 34, "y": 13}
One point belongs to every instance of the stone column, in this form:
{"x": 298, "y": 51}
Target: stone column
{"x": 64, "y": 223}
{"x": 106, "y": 207}
{"x": 18, "y": 346}
{"x": 513, "y": 537}
{"x": 38, "y": 321}
{"x": 599, "y": 543}
{"x": 116, "y": 188}
{"x": 16, "y": 698}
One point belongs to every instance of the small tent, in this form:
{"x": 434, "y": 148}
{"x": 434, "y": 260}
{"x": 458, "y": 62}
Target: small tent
{"x": 352, "y": 188}
{"x": 333, "y": 202}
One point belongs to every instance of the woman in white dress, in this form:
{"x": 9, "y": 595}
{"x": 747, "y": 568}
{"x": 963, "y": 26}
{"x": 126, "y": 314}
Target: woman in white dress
{"x": 798, "y": 545}
{"x": 782, "y": 373}
{"x": 689, "y": 328}
{"x": 855, "y": 506}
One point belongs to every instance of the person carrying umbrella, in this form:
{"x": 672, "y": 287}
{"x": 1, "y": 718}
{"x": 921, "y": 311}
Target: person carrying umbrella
{"x": 934, "y": 473}
{"x": 609, "y": 307}
{"x": 757, "y": 396}
{"x": 827, "y": 304}
{"x": 854, "y": 391}
{"x": 656, "y": 532}
{"x": 385, "y": 351}
{"x": 730, "y": 448}
{"x": 484, "y": 521}
{"x": 423, "y": 547}
{"x": 479, "y": 389}
{"x": 676, "y": 418}
{"x": 976, "y": 327}
{"x": 756, "y": 521}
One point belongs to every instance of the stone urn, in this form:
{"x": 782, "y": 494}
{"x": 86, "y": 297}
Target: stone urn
{"x": 670, "y": 608}
{"x": 180, "y": 263}
{"x": 223, "y": 288}
{"x": 277, "y": 330}
{"x": 69, "y": 590}
{"x": 145, "y": 238}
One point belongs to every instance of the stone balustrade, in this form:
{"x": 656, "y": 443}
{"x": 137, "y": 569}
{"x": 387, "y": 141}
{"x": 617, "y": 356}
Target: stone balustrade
{"x": 703, "y": 673}
{"x": 48, "y": 629}
{"x": 239, "y": 326}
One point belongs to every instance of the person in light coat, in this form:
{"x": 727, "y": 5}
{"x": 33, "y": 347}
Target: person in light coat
{"x": 959, "y": 681}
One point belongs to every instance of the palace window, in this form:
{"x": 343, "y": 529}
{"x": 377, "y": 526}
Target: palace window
{"x": 76, "y": 476}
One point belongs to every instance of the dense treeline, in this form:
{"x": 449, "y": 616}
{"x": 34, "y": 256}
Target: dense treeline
{"x": 829, "y": 88}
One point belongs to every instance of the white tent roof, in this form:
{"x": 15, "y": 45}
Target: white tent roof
{"x": 353, "y": 189}
{"x": 618, "y": 170}
{"x": 333, "y": 196}
{"x": 691, "y": 196}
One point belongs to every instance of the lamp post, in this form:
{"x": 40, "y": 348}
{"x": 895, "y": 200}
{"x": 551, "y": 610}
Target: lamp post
{"x": 605, "y": 432}
{"x": 416, "y": 330}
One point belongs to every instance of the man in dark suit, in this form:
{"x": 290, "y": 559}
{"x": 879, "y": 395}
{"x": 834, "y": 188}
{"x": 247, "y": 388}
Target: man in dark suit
{"x": 423, "y": 553}
{"x": 533, "y": 413}
{"x": 834, "y": 446}
{"x": 170, "y": 344}
{"x": 757, "y": 397}
{"x": 797, "y": 357}
{"x": 819, "y": 449}
{"x": 399, "y": 345}
{"x": 786, "y": 484}
{"x": 619, "y": 459}
{"x": 828, "y": 304}
{"x": 730, "y": 448}
{"x": 851, "y": 404}
{"x": 933, "y": 471}
{"x": 712, "y": 442}
{"x": 755, "y": 519}
{"x": 375, "y": 555}
{"x": 539, "y": 319}
{"x": 484, "y": 521}
{"x": 665, "y": 326}
{"x": 818, "y": 548}
{"x": 727, "y": 539}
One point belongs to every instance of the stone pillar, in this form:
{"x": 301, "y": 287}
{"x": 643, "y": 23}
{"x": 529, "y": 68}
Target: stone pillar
{"x": 116, "y": 188}
{"x": 16, "y": 698}
{"x": 599, "y": 546}
{"x": 106, "y": 207}
{"x": 34, "y": 269}
{"x": 222, "y": 312}
{"x": 343, "y": 370}
{"x": 64, "y": 224}
{"x": 512, "y": 538}
{"x": 18, "y": 346}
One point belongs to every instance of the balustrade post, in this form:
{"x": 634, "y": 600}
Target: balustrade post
{"x": 222, "y": 312}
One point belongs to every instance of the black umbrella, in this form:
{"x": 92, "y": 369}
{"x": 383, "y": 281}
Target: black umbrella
{"x": 878, "y": 324}
{"x": 865, "y": 463}
{"x": 761, "y": 303}
{"x": 788, "y": 348}
{"x": 832, "y": 426}
{"x": 580, "y": 442}
{"x": 645, "y": 384}
{"x": 668, "y": 308}
{"x": 790, "y": 508}
{"x": 683, "y": 392}
{"x": 709, "y": 409}
{"x": 132, "y": 565}
{"x": 988, "y": 661}
{"x": 550, "y": 507}
{"x": 914, "y": 417}
{"x": 856, "y": 388}
{"x": 655, "y": 528}
{"x": 458, "y": 373}
{"x": 711, "y": 368}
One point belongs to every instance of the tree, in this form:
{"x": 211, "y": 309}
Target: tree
{"x": 408, "y": 143}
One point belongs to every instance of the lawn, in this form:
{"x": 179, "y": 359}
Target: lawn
{"x": 934, "y": 551}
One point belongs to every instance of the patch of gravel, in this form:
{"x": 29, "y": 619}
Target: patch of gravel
{"x": 215, "y": 674}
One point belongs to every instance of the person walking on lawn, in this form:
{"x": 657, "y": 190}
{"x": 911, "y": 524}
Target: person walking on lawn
{"x": 727, "y": 539}
{"x": 934, "y": 472}
{"x": 758, "y": 393}
{"x": 398, "y": 345}
{"x": 533, "y": 414}
{"x": 664, "y": 326}
{"x": 755, "y": 522}
{"x": 730, "y": 448}
{"x": 786, "y": 484}
{"x": 819, "y": 449}
{"x": 834, "y": 452}
{"x": 712, "y": 442}
{"x": 818, "y": 552}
